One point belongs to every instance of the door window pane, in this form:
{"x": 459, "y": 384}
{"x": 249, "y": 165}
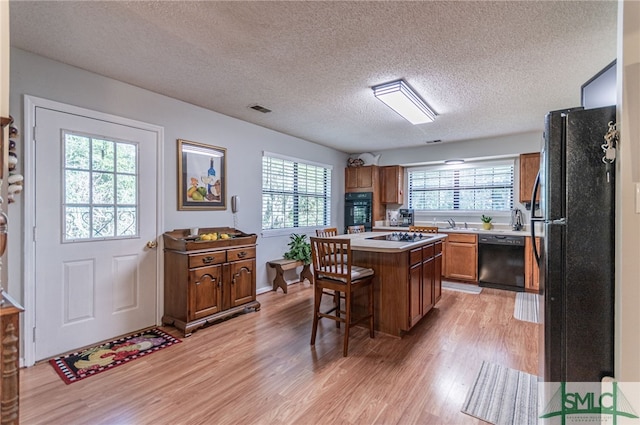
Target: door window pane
{"x": 100, "y": 196}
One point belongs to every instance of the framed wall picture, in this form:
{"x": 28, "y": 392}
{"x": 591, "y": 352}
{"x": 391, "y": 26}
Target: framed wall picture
{"x": 201, "y": 176}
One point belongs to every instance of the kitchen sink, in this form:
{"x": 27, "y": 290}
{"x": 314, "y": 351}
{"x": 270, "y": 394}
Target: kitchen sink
{"x": 473, "y": 229}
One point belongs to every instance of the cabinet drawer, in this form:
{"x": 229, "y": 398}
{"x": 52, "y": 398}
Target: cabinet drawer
{"x": 241, "y": 254}
{"x": 437, "y": 248}
{"x": 207, "y": 259}
{"x": 427, "y": 251}
{"x": 463, "y": 237}
{"x": 415, "y": 256}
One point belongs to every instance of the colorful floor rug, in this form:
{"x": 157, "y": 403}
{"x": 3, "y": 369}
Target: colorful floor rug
{"x": 83, "y": 364}
{"x": 503, "y": 396}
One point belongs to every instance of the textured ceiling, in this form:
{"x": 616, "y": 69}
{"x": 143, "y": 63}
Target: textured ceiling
{"x": 487, "y": 68}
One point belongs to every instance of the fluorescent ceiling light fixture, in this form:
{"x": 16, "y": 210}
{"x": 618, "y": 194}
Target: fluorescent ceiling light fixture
{"x": 454, "y": 161}
{"x": 398, "y": 96}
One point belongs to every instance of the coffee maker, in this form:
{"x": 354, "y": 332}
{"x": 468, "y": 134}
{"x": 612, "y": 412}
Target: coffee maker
{"x": 406, "y": 217}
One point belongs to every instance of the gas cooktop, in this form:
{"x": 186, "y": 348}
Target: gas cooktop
{"x": 399, "y": 237}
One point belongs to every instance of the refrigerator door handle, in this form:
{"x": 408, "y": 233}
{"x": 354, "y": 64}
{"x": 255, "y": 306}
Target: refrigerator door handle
{"x": 534, "y": 218}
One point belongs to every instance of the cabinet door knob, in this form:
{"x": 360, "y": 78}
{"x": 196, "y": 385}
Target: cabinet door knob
{"x": 152, "y": 244}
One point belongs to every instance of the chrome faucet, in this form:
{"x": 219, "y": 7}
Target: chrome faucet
{"x": 452, "y": 223}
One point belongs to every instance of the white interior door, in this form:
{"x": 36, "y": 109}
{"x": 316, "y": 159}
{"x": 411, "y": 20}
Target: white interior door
{"x": 95, "y": 211}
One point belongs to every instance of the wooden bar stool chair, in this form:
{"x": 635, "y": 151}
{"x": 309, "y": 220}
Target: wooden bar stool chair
{"x": 355, "y": 229}
{"x": 325, "y": 233}
{"x": 333, "y": 270}
{"x": 423, "y": 229}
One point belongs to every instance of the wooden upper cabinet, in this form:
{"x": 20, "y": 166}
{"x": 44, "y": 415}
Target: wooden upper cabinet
{"x": 392, "y": 184}
{"x": 529, "y": 165}
{"x": 361, "y": 179}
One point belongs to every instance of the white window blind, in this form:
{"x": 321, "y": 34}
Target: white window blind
{"x": 474, "y": 188}
{"x": 295, "y": 193}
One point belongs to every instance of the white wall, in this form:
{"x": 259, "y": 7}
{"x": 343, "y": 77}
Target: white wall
{"x": 4, "y": 112}
{"x": 469, "y": 149}
{"x": 627, "y": 338}
{"x": 37, "y": 76}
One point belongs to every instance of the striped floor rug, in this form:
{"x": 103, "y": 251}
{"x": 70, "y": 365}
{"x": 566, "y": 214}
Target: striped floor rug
{"x": 503, "y": 396}
{"x": 526, "y": 307}
{"x": 461, "y": 287}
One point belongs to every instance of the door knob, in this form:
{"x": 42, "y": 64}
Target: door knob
{"x": 152, "y": 244}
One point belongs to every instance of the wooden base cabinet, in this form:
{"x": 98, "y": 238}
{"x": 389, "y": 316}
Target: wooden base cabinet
{"x": 531, "y": 269}
{"x": 208, "y": 282}
{"x": 407, "y": 285}
{"x": 425, "y": 286}
{"x": 461, "y": 257}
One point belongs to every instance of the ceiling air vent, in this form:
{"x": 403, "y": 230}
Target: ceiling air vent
{"x": 433, "y": 141}
{"x": 260, "y": 109}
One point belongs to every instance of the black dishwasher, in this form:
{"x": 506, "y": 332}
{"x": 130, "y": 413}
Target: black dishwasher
{"x": 501, "y": 262}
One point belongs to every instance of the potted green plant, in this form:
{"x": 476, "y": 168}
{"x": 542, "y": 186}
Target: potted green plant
{"x": 299, "y": 249}
{"x": 486, "y": 222}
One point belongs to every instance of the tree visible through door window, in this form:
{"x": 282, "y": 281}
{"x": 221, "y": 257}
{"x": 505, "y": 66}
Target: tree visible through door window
{"x": 100, "y": 188}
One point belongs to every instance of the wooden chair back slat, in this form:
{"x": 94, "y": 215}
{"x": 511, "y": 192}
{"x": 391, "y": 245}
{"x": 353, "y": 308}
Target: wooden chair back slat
{"x": 423, "y": 229}
{"x": 325, "y": 233}
{"x": 355, "y": 229}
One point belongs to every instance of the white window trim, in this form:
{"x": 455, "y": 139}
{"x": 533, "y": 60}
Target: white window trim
{"x": 471, "y": 164}
{"x": 309, "y": 230}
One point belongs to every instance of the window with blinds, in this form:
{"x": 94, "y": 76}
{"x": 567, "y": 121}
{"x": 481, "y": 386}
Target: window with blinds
{"x": 295, "y": 193}
{"x": 487, "y": 187}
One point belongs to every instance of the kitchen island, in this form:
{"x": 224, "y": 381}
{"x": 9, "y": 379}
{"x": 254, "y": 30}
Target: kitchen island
{"x": 407, "y": 282}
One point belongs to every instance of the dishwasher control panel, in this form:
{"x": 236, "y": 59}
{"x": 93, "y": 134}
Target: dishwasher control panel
{"x": 501, "y": 240}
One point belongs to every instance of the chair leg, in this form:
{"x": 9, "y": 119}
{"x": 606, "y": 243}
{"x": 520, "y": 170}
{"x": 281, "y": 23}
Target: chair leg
{"x": 336, "y": 303}
{"x": 317, "y": 298}
{"x": 347, "y": 324}
{"x": 371, "y": 331}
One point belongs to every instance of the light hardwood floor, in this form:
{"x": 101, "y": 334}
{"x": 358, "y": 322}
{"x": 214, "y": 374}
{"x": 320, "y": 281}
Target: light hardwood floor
{"x": 259, "y": 368}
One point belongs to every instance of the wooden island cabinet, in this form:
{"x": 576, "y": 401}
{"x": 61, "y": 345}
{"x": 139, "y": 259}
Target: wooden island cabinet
{"x": 205, "y": 281}
{"x": 407, "y": 282}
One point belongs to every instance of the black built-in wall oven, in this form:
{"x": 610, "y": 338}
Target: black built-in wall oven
{"x": 357, "y": 209}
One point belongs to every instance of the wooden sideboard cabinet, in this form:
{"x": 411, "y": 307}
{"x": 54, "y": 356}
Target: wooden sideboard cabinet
{"x": 205, "y": 281}
{"x": 9, "y": 364}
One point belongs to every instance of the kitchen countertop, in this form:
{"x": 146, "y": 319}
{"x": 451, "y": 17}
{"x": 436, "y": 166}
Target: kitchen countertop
{"x": 462, "y": 230}
{"x": 359, "y": 241}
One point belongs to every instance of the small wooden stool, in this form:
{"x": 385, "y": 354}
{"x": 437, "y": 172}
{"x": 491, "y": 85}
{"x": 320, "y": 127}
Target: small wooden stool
{"x": 282, "y": 265}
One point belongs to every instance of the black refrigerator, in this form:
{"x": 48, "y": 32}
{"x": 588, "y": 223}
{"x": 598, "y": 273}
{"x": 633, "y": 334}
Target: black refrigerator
{"x": 576, "y": 215}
